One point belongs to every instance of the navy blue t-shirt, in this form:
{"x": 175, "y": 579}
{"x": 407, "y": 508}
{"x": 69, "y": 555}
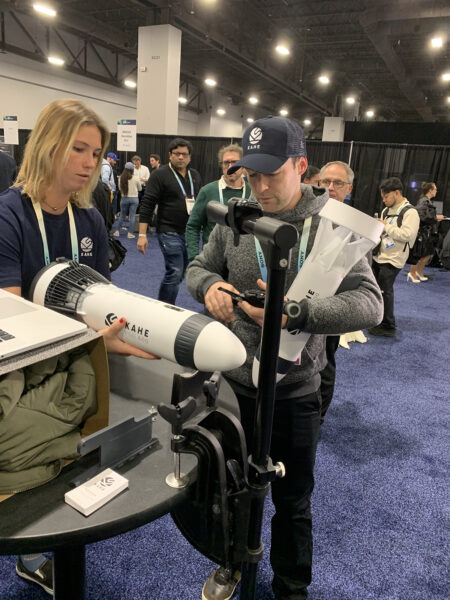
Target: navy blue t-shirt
{"x": 21, "y": 249}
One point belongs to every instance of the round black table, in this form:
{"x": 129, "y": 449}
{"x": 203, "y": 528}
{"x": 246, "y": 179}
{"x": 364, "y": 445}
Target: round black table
{"x": 39, "y": 520}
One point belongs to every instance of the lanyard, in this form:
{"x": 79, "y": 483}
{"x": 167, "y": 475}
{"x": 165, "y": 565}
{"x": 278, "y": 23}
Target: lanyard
{"x": 180, "y": 184}
{"x": 73, "y": 232}
{"x": 394, "y": 215}
{"x": 221, "y": 191}
{"x": 301, "y": 250}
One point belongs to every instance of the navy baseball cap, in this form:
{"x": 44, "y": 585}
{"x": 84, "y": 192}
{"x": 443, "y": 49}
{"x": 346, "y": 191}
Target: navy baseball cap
{"x": 112, "y": 155}
{"x": 268, "y": 143}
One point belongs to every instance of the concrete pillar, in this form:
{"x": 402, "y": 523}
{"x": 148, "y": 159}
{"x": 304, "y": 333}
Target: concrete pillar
{"x": 158, "y": 83}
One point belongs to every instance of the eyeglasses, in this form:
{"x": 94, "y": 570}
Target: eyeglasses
{"x": 228, "y": 162}
{"x": 180, "y": 154}
{"x": 337, "y": 183}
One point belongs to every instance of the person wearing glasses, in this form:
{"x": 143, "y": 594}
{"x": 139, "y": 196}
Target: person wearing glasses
{"x": 337, "y": 177}
{"x": 173, "y": 188}
{"x": 227, "y": 187}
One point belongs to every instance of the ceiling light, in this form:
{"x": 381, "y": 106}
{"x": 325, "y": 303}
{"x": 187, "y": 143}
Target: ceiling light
{"x": 284, "y": 112}
{"x": 306, "y": 122}
{"x": 446, "y": 76}
{"x": 448, "y": 98}
{"x": 211, "y": 82}
{"x": 370, "y": 113}
{"x": 250, "y": 120}
{"x": 44, "y": 10}
{"x": 253, "y": 100}
{"x": 281, "y": 49}
{"x": 129, "y": 83}
{"x": 437, "y": 42}
{"x": 350, "y": 100}
{"x": 54, "y": 60}
{"x": 324, "y": 79}
{"x": 221, "y": 111}
{"x": 182, "y": 100}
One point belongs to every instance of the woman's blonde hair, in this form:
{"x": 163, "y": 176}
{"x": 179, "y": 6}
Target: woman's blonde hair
{"x": 54, "y": 135}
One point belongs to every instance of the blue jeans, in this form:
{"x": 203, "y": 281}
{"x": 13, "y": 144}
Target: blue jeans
{"x": 173, "y": 248}
{"x": 128, "y": 206}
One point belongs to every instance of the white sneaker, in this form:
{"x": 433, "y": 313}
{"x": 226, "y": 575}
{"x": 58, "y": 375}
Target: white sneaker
{"x": 116, "y": 233}
{"x": 130, "y": 236}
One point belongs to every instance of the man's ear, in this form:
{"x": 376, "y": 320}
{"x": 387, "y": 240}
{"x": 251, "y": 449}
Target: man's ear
{"x": 302, "y": 165}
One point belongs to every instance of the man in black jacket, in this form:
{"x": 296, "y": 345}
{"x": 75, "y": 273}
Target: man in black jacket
{"x": 8, "y": 170}
{"x": 173, "y": 188}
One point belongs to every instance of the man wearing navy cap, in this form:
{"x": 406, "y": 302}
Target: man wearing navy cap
{"x": 275, "y": 158}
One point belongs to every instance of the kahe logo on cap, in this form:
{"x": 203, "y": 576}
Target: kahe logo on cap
{"x": 255, "y": 136}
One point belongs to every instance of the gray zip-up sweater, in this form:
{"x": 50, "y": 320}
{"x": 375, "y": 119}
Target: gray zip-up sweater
{"x": 348, "y": 311}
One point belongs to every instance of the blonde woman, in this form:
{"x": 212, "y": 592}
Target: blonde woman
{"x": 46, "y": 214}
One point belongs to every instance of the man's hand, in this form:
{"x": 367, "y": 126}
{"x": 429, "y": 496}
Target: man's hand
{"x": 142, "y": 244}
{"x": 257, "y": 314}
{"x": 440, "y": 217}
{"x": 219, "y": 304}
{"x": 116, "y": 346}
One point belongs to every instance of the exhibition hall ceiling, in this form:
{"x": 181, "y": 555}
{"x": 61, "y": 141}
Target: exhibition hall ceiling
{"x": 377, "y": 52}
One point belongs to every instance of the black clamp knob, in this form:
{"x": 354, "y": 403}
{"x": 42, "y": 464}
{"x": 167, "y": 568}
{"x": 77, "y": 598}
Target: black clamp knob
{"x": 177, "y": 414}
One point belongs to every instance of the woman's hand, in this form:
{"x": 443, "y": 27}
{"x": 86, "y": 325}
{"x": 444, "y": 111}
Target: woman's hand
{"x": 117, "y": 346}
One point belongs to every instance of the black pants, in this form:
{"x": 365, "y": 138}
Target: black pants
{"x": 295, "y": 434}
{"x": 385, "y": 275}
{"x": 328, "y": 373}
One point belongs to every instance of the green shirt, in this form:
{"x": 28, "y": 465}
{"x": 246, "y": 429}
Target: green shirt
{"x": 198, "y": 220}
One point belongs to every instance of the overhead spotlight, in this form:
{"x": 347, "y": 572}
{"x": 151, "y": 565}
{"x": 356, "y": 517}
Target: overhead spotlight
{"x": 250, "y": 119}
{"x": 306, "y": 122}
{"x": 283, "y": 50}
{"x": 284, "y": 112}
{"x": 211, "y": 82}
{"x": 182, "y": 100}
{"x": 129, "y": 83}
{"x": 45, "y": 10}
{"x": 324, "y": 79}
{"x": 437, "y": 42}
{"x": 253, "y": 100}
{"x": 350, "y": 100}
{"x": 446, "y": 76}
{"x": 370, "y": 113}
{"x": 54, "y": 60}
{"x": 448, "y": 98}
{"x": 221, "y": 112}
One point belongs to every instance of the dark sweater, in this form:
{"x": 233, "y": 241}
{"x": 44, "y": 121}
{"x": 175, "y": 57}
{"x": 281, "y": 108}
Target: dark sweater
{"x": 164, "y": 190}
{"x": 347, "y": 311}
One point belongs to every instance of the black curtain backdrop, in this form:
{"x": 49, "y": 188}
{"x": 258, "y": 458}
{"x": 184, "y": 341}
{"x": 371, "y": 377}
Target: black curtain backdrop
{"x": 430, "y": 134}
{"x": 371, "y": 162}
{"x": 319, "y": 153}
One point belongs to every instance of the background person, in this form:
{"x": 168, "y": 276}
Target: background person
{"x": 337, "y": 177}
{"x": 401, "y": 224}
{"x": 311, "y": 175}
{"x": 173, "y": 189}
{"x": 155, "y": 162}
{"x": 8, "y": 170}
{"x": 274, "y": 166}
{"x": 427, "y": 238}
{"x": 130, "y": 186}
{"x": 228, "y": 186}
{"x": 108, "y": 176}
{"x": 61, "y": 165}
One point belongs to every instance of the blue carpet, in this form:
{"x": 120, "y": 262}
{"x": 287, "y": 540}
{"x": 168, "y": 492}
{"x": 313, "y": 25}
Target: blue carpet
{"x": 381, "y": 495}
